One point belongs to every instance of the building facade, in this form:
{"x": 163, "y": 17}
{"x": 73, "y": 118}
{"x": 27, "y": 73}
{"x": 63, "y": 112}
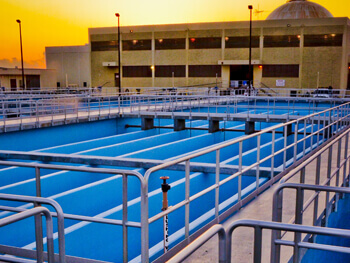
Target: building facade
{"x": 291, "y": 53}
{"x": 72, "y": 64}
{"x": 35, "y": 79}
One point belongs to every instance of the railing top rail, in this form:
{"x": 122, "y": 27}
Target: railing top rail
{"x": 287, "y": 227}
{"x": 322, "y": 188}
{"x": 71, "y": 168}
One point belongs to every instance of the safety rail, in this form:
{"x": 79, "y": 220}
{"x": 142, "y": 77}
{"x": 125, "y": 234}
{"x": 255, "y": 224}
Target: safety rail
{"x": 300, "y": 209}
{"x": 225, "y": 240}
{"x": 37, "y": 201}
{"x": 24, "y": 114}
{"x": 49, "y": 231}
{"x": 334, "y": 121}
{"x": 125, "y": 223}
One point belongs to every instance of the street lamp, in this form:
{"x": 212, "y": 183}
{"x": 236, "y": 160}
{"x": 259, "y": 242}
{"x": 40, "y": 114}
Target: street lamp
{"x": 20, "y": 37}
{"x": 250, "y": 7}
{"x": 119, "y": 75}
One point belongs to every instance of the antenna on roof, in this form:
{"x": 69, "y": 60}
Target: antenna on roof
{"x": 257, "y": 12}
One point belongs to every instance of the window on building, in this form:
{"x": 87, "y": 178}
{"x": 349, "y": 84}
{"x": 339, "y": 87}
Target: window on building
{"x": 280, "y": 71}
{"x": 170, "y": 43}
{"x": 200, "y": 71}
{"x": 137, "y": 72}
{"x": 323, "y": 40}
{"x": 104, "y": 45}
{"x": 167, "y": 71}
{"x": 204, "y": 42}
{"x": 241, "y": 42}
{"x": 137, "y": 44}
{"x": 282, "y": 41}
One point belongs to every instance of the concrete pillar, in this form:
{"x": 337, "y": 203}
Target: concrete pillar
{"x": 249, "y": 127}
{"x": 214, "y": 126}
{"x": 179, "y": 124}
{"x": 147, "y": 123}
{"x": 289, "y": 129}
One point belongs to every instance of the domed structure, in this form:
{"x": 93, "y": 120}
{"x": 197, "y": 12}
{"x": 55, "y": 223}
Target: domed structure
{"x": 297, "y": 9}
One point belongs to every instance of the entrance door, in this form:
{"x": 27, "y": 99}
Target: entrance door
{"x": 239, "y": 75}
{"x": 13, "y": 84}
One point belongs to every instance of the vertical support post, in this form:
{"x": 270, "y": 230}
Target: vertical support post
{"x": 179, "y": 124}
{"x": 295, "y": 142}
{"x": 217, "y": 180}
{"x": 329, "y": 171}
{"x": 273, "y": 155}
{"x": 187, "y": 197}
{"x": 147, "y": 123}
{"x": 38, "y": 220}
{"x": 240, "y": 172}
{"x": 257, "y": 175}
{"x": 257, "y": 244}
{"x": 249, "y": 127}
{"x": 317, "y": 182}
{"x": 298, "y": 220}
{"x": 125, "y": 218}
{"x": 345, "y": 158}
{"x": 214, "y": 126}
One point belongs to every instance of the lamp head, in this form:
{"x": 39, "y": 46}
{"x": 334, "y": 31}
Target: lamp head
{"x": 18, "y": 21}
{"x": 250, "y": 7}
{"x": 117, "y": 15}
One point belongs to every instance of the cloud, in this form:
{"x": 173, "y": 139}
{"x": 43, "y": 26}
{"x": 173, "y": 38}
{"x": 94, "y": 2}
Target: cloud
{"x": 14, "y": 62}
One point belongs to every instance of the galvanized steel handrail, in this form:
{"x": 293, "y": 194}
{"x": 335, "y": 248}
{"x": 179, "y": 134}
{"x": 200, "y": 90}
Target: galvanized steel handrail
{"x": 49, "y": 227}
{"x": 343, "y": 118}
{"x": 47, "y": 201}
{"x": 124, "y": 222}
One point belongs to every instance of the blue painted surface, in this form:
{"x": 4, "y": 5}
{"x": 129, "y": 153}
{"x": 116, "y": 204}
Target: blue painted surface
{"x": 338, "y": 219}
{"x": 100, "y": 195}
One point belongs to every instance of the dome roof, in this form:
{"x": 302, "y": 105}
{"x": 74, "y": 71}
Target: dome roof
{"x": 296, "y": 9}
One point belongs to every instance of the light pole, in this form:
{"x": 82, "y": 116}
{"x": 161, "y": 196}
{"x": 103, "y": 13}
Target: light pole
{"x": 119, "y": 75}
{"x": 20, "y": 37}
{"x": 250, "y": 7}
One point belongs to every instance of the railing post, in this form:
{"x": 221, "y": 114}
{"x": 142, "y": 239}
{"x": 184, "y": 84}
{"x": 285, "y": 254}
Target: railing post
{"x": 257, "y": 244}
{"x": 329, "y": 171}
{"x": 240, "y": 172}
{"x": 295, "y": 141}
{"x": 298, "y": 220}
{"x": 317, "y": 182}
{"x": 217, "y": 180}
{"x": 125, "y": 218}
{"x": 38, "y": 220}
{"x": 273, "y": 155}
{"x": 187, "y": 197}
{"x": 257, "y": 174}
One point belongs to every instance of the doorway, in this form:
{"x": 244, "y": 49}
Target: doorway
{"x": 13, "y": 84}
{"x": 239, "y": 75}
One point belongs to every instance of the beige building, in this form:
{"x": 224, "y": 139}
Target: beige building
{"x": 72, "y": 64}
{"x": 300, "y": 45}
{"x": 35, "y": 79}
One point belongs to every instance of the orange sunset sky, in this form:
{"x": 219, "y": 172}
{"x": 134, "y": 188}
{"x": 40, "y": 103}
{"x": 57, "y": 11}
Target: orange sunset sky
{"x": 66, "y": 22}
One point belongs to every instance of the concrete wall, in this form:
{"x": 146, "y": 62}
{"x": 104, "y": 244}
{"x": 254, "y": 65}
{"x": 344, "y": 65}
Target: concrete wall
{"x": 72, "y": 64}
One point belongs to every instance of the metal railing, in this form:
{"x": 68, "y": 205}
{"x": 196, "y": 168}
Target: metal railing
{"x": 225, "y": 240}
{"x": 300, "y": 209}
{"x": 125, "y": 223}
{"x": 49, "y": 231}
{"x": 24, "y": 113}
{"x": 336, "y": 123}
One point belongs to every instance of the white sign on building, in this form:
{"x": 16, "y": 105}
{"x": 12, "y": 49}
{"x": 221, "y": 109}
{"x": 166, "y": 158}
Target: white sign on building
{"x": 280, "y": 82}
